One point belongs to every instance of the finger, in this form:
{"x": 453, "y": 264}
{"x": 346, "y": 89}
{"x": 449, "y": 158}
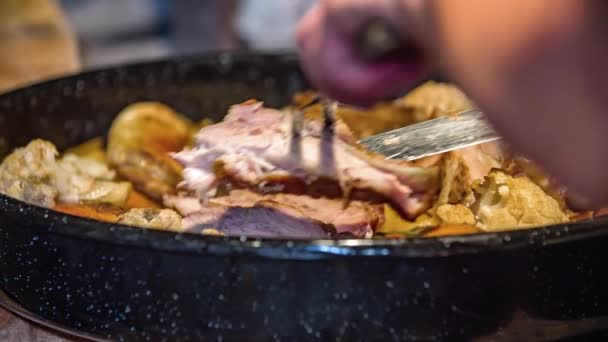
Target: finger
{"x": 541, "y": 79}
{"x": 335, "y": 68}
{"x": 346, "y": 77}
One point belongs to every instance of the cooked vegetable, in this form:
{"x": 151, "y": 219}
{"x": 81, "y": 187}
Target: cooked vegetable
{"x": 395, "y": 224}
{"x": 106, "y": 213}
{"x": 458, "y": 214}
{"x": 82, "y": 180}
{"x": 139, "y": 145}
{"x": 27, "y": 174}
{"x": 138, "y": 200}
{"x": 92, "y": 149}
{"x": 507, "y": 203}
{"x": 518, "y": 166}
{"x": 434, "y": 99}
{"x": 34, "y": 174}
{"x": 165, "y": 219}
{"x": 481, "y": 188}
{"x": 452, "y": 229}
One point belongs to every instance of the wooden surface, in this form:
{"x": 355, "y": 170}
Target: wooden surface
{"x": 35, "y": 44}
{"x": 14, "y": 329}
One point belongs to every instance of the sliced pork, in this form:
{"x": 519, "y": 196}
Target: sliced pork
{"x": 259, "y": 222}
{"x": 245, "y": 213}
{"x": 256, "y": 147}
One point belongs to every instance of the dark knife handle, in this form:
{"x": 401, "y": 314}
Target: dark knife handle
{"x": 378, "y": 40}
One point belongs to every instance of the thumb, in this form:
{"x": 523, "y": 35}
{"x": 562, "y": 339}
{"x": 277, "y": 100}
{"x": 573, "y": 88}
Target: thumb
{"x": 326, "y": 38}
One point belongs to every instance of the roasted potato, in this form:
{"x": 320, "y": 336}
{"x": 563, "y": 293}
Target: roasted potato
{"x": 139, "y": 145}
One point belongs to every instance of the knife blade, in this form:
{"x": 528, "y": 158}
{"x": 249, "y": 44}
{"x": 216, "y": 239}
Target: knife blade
{"x": 433, "y": 137}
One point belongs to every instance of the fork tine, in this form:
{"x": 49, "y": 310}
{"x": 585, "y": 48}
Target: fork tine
{"x": 298, "y": 123}
{"x": 330, "y": 109}
{"x": 298, "y": 116}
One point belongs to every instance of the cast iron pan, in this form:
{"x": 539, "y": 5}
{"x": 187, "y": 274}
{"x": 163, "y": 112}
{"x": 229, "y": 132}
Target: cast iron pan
{"x": 125, "y": 283}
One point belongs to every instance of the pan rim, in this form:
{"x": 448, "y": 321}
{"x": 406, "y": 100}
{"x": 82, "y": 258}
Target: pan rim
{"x": 69, "y": 226}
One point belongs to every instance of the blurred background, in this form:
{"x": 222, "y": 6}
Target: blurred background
{"x": 118, "y": 31}
{"x": 45, "y": 38}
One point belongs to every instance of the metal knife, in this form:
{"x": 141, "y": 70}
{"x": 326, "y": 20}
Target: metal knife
{"x": 378, "y": 40}
{"x": 433, "y": 137}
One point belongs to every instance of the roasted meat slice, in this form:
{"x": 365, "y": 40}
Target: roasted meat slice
{"x": 256, "y": 147}
{"x": 258, "y": 222}
{"x": 243, "y": 212}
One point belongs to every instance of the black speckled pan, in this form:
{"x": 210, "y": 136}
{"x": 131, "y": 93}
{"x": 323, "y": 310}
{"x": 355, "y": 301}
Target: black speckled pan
{"x": 132, "y": 284}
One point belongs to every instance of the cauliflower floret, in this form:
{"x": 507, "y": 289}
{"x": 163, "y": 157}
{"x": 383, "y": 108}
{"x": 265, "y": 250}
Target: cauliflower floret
{"x": 506, "y": 203}
{"x": 27, "y": 172}
{"x": 456, "y": 214}
{"x": 86, "y": 180}
{"x": 165, "y": 219}
{"x": 519, "y": 165}
{"x": 34, "y": 174}
{"x": 463, "y": 166}
{"x": 87, "y": 166}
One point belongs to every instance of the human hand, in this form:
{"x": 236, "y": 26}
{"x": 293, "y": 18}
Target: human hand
{"x": 536, "y": 68}
{"x": 326, "y": 39}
